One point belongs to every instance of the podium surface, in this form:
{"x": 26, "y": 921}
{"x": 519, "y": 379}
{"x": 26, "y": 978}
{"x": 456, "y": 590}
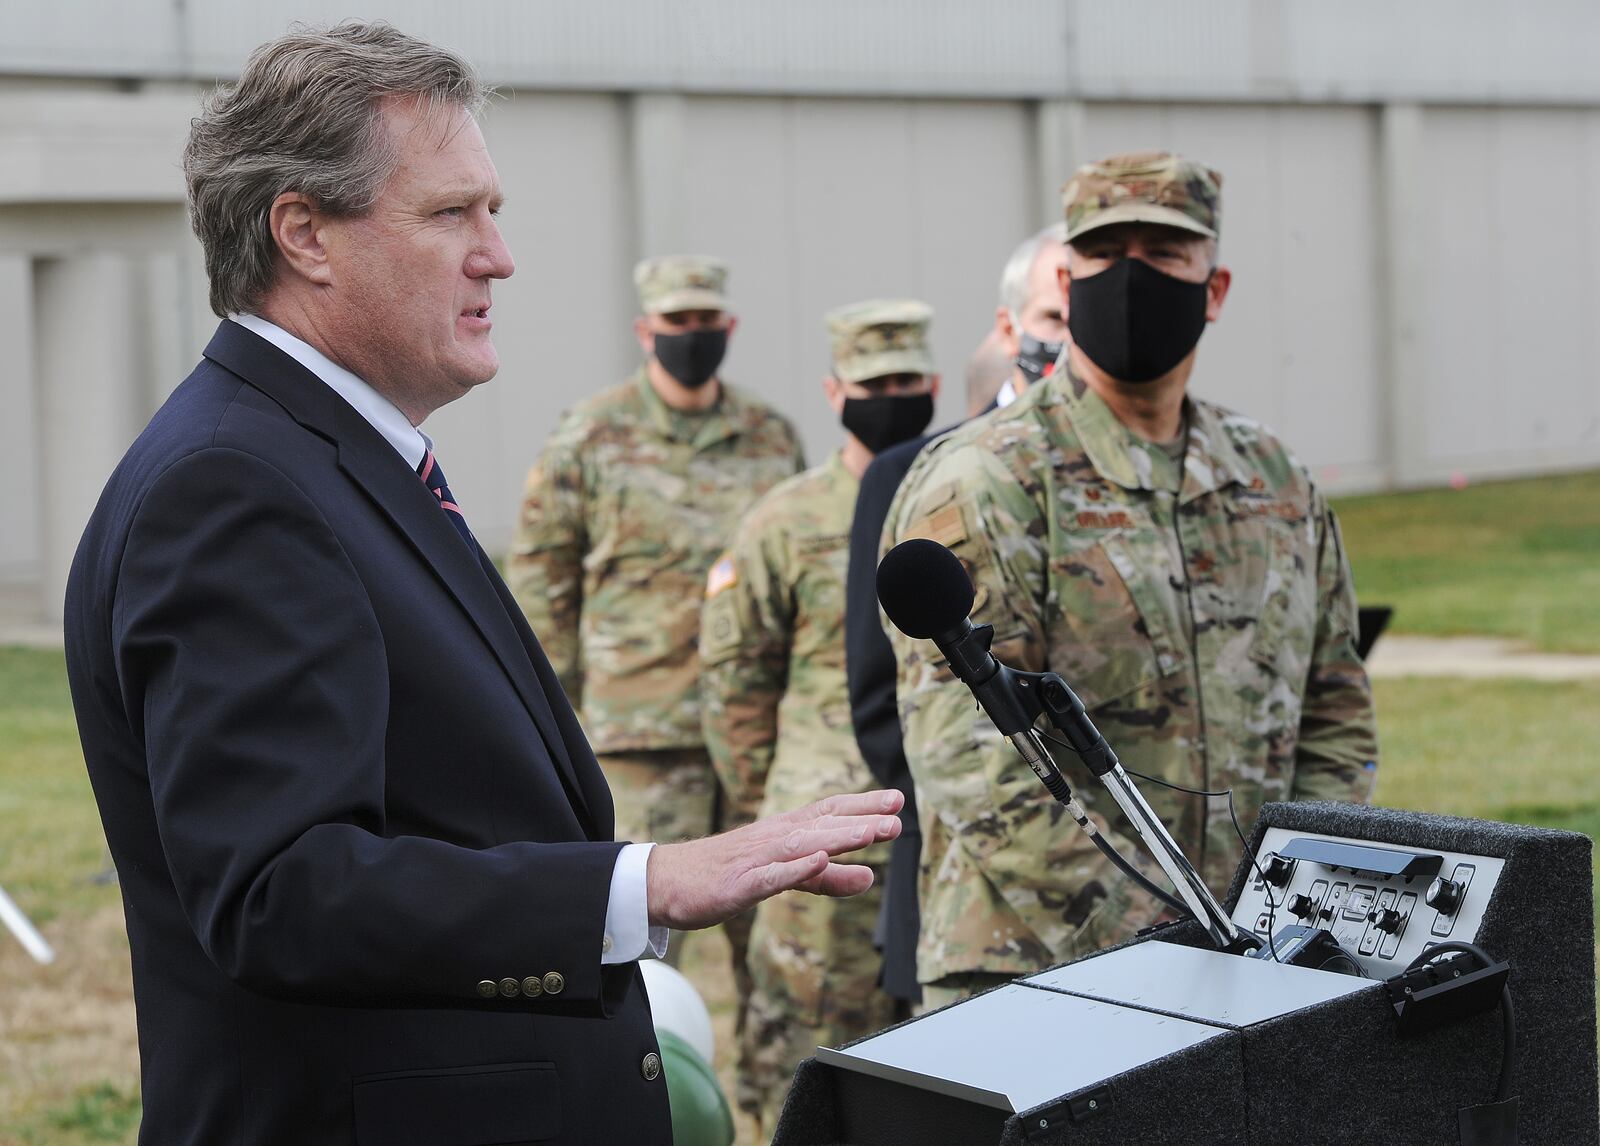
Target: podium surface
{"x": 1197, "y": 983}
{"x": 1061, "y": 1043}
{"x": 1166, "y": 1039}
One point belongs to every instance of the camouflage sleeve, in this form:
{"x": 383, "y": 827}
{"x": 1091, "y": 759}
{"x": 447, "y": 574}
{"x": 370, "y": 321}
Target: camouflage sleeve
{"x": 798, "y": 450}
{"x": 744, "y": 662}
{"x": 986, "y": 798}
{"x": 1336, "y": 758}
{"x": 545, "y": 566}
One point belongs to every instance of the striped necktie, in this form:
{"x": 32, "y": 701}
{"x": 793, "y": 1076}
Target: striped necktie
{"x": 433, "y": 477}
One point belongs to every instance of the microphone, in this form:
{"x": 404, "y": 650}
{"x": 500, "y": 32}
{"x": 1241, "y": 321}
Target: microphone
{"x": 927, "y": 594}
{"x": 924, "y": 589}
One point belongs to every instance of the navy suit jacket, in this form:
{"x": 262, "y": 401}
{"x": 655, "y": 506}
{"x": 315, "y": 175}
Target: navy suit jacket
{"x": 345, "y": 795}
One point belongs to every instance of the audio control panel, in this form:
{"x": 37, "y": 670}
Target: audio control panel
{"x": 1383, "y": 904}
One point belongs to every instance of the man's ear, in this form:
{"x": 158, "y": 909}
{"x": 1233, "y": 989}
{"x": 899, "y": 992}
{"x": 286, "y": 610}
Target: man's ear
{"x": 647, "y": 338}
{"x": 1064, "y": 280}
{"x": 1217, "y": 291}
{"x": 833, "y": 391}
{"x": 933, "y": 386}
{"x": 1010, "y": 337}
{"x": 297, "y": 230}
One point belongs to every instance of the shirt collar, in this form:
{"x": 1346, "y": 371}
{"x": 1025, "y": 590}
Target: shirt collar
{"x": 1210, "y": 463}
{"x": 383, "y": 415}
{"x": 730, "y": 417}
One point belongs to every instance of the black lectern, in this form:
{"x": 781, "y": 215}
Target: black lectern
{"x": 1166, "y": 1039}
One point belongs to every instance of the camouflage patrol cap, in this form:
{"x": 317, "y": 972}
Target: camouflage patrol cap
{"x": 681, "y": 282}
{"x": 1144, "y": 187}
{"x": 882, "y": 336}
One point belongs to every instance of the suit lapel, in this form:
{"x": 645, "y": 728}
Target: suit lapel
{"x": 597, "y": 796}
{"x": 401, "y": 495}
{"x": 372, "y": 463}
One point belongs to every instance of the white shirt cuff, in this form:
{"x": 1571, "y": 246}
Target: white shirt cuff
{"x": 628, "y": 934}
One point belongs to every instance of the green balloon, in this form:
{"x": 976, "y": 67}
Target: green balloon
{"x": 700, "y": 1114}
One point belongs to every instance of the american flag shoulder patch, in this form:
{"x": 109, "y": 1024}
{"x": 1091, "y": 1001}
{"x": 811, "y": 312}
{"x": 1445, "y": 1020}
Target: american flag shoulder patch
{"x": 722, "y": 576}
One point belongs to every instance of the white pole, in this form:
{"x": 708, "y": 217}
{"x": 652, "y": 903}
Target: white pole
{"x": 28, "y": 935}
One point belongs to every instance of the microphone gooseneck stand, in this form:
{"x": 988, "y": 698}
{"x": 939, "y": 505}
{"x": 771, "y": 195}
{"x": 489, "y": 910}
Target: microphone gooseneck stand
{"x": 1024, "y": 697}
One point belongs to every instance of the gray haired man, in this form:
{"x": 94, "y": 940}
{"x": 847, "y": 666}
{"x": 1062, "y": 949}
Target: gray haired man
{"x": 1030, "y": 322}
{"x": 366, "y": 854}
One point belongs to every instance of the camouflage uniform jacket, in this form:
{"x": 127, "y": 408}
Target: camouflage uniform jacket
{"x": 777, "y": 710}
{"x": 623, "y": 515}
{"x": 1214, "y": 647}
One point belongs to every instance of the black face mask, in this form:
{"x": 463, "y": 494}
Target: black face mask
{"x": 1135, "y": 322}
{"x": 693, "y": 356}
{"x": 887, "y": 421}
{"x": 1036, "y": 359}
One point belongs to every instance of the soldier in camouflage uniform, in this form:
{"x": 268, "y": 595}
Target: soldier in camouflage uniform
{"x": 637, "y": 492}
{"x": 1170, "y": 559}
{"x": 776, "y": 708}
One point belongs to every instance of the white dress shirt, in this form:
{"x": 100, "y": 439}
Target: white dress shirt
{"x": 628, "y": 934}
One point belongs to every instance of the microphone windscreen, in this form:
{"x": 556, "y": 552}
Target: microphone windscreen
{"x": 923, "y": 588}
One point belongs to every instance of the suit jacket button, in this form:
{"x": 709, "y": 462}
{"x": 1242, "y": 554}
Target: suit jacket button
{"x": 651, "y": 1066}
{"x": 487, "y": 988}
{"x": 531, "y": 987}
{"x": 554, "y": 984}
{"x": 509, "y": 988}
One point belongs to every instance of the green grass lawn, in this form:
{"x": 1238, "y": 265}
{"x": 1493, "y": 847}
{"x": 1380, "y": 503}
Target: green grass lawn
{"x": 1512, "y": 750}
{"x": 1513, "y": 559}
{"x": 1518, "y": 559}
{"x": 48, "y": 823}
{"x": 68, "y": 1071}
{"x": 1521, "y": 751}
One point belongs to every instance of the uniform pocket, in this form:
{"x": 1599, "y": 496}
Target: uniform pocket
{"x": 1110, "y": 633}
{"x": 500, "y": 1105}
{"x": 1287, "y": 620}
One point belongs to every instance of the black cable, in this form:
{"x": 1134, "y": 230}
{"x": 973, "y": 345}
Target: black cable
{"x": 1508, "y": 1014}
{"x": 1138, "y": 877}
{"x": 1233, "y": 814}
{"x": 1134, "y": 874}
{"x": 1272, "y": 905}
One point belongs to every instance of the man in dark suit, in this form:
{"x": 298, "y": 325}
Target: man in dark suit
{"x": 365, "y": 851}
{"x": 1028, "y": 335}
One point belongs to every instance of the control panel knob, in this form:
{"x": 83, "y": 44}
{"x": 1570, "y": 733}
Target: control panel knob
{"x": 1385, "y": 919}
{"x": 1301, "y": 906}
{"x": 1444, "y": 895}
{"x": 1277, "y": 871}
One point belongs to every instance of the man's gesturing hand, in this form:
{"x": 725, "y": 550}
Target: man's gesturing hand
{"x": 703, "y": 882}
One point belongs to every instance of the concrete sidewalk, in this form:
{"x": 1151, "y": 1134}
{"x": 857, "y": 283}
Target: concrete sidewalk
{"x": 1475, "y": 657}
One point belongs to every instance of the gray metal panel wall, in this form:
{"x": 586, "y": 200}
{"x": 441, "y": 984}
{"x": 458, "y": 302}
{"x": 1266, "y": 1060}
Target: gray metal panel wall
{"x": 1262, "y": 50}
{"x": 1393, "y": 315}
{"x": 817, "y": 203}
{"x": 1511, "y": 246}
{"x": 19, "y": 509}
